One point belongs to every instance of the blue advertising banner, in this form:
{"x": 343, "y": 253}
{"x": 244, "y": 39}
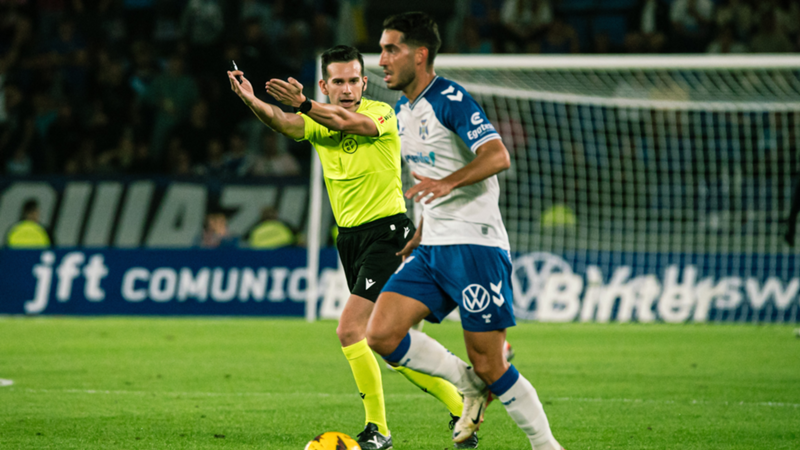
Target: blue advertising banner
{"x": 158, "y": 282}
{"x": 583, "y": 287}
{"x": 647, "y": 287}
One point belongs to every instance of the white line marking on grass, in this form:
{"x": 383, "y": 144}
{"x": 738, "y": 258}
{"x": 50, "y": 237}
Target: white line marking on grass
{"x": 399, "y": 396}
{"x": 6, "y": 382}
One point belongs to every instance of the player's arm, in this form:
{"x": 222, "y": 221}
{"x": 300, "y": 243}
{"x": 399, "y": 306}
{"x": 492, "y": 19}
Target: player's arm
{"x": 332, "y": 117}
{"x": 290, "y": 125}
{"x": 491, "y": 158}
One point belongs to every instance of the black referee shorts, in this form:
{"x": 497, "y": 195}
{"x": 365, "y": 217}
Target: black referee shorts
{"x": 368, "y": 253}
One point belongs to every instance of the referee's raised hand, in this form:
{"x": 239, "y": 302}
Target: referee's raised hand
{"x": 289, "y": 92}
{"x": 243, "y": 89}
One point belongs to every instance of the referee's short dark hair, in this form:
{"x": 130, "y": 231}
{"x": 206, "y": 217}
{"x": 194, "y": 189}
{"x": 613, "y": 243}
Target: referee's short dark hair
{"x": 419, "y": 30}
{"x": 340, "y": 53}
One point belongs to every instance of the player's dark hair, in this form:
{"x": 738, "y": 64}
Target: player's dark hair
{"x": 340, "y": 53}
{"x": 418, "y": 29}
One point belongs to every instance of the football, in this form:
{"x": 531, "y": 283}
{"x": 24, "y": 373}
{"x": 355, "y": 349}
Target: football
{"x": 333, "y": 440}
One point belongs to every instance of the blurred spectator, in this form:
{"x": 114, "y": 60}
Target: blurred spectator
{"x": 17, "y": 129}
{"x": 83, "y": 161}
{"x": 690, "y": 24}
{"x": 15, "y": 37}
{"x": 726, "y": 42}
{"x": 28, "y": 233}
{"x": 471, "y": 41}
{"x": 736, "y": 14}
{"x": 261, "y": 13}
{"x": 64, "y": 135}
{"x": 140, "y": 18}
{"x": 178, "y": 162}
{"x": 45, "y": 114}
{"x": 234, "y": 161}
{"x": 68, "y": 57}
{"x": 790, "y": 231}
{"x": 787, "y": 15}
{"x": 322, "y": 32}
{"x": 647, "y": 24}
{"x": 770, "y": 38}
{"x": 352, "y": 25}
{"x": 50, "y": 13}
{"x": 144, "y": 68}
{"x": 201, "y": 26}
{"x": 20, "y": 163}
{"x": 142, "y": 162}
{"x": 85, "y": 76}
{"x": 270, "y": 233}
{"x": 484, "y": 15}
{"x": 167, "y": 28}
{"x": 120, "y": 158}
{"x": 214, "y": 164}
{"x": 215, "y": 232}
{"x": 524, "y": 21}
{"x": 601, "y": 43}
{"x": 560, "y": 38}
{"x": 258, "y": 61}
{"x": 112, "y": 102}
{"x": 171, "y": 95}
{"x": 196, "y": 132}
{"x": 274, "y": 160}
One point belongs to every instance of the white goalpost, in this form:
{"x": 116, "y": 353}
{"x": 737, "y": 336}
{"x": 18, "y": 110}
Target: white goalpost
{"x": 641, "y": 187}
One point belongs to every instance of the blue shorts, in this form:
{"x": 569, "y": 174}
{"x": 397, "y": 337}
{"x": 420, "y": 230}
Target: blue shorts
{"x": 475, "y": 278}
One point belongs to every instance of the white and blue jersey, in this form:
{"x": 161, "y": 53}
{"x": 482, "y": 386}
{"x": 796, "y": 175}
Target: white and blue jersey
{"x": 439, "y": 133}
{"x": 463, "y": 259}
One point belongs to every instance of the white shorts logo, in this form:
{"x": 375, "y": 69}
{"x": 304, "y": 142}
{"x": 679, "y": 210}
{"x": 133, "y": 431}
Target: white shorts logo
{"x": 475, "y": 297}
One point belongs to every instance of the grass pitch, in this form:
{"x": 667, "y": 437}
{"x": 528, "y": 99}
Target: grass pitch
{"x": 145, "y": 383}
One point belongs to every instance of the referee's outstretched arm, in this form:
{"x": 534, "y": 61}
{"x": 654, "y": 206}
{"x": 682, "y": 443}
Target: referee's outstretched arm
{"x": 290, "y": 125}
{"x": 332, "y": 117}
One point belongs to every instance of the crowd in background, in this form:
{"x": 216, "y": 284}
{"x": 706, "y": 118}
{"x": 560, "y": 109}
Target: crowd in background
{"x": 99, "y": 87}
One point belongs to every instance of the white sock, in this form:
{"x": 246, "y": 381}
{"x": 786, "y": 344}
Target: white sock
{"x": 427, "y": 355}
{"x": 523, "y": 405}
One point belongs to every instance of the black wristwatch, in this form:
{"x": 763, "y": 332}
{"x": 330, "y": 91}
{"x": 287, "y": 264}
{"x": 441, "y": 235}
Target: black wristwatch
{"x": 305, "y": 107}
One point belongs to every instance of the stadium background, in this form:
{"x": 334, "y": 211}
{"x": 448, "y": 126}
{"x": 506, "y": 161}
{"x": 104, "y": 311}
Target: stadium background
{"x": 116, "y": 118}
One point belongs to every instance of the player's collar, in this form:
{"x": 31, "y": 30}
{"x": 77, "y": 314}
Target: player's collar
{"x": 424, "y": 91}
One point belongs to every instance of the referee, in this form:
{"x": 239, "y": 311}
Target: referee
{"x": 359, "y": 146}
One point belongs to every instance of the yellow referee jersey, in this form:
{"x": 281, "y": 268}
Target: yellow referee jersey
{"x": 362, "y": 173}
{"x": 27, "y": 234}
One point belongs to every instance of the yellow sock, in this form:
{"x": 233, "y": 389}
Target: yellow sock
{"x": 437, "y": 387}
{"x": 368, "y": 379}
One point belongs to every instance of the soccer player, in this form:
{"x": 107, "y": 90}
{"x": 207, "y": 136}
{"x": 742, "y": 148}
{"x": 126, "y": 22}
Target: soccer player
{"x": 459, "y": 255}
{"x": 358, "y": 144}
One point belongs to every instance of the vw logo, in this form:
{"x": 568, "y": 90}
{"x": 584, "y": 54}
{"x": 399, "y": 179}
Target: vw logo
{"x": 530, "y": 274}
{"x": 475, "y": 298}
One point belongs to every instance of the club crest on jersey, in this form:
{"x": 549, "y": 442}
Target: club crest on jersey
{"x": 421, "y": 158}
{"x": 475, "y": 298}
{"x": 349, "y": 145}
{"x": 423, "y": 129}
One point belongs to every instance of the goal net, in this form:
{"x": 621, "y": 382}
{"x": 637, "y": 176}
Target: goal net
{"x": 643, "y": 188}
